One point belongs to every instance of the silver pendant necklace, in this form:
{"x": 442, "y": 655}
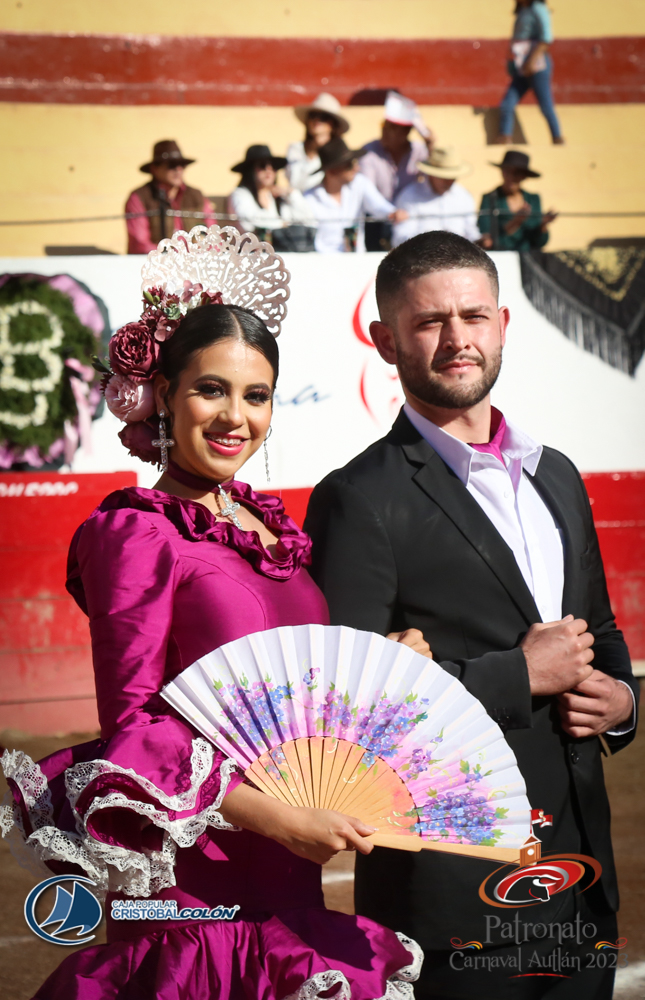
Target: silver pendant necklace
{"x": 228, "y": 507}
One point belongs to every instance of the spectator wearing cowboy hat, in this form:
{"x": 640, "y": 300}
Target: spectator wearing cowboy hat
{"x": 259, "y": 203}
{"x": 323, "y": 121}
{"x": 165, "y": 192}
{"x": 343, "y": 199}
{"x": 511, "y": 218}
{"x": 390, "y": 162}
{"x": 436, "y": 201}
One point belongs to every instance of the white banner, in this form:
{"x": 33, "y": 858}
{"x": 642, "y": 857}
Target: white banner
{"x": 336, "y": 396}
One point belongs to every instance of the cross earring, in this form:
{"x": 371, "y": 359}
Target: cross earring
{"x": 163, "y": 442}
{"x": 266, "y": 454}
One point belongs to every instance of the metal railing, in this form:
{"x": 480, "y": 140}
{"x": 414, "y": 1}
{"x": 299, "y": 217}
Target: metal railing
{"x": 222, "y": 216}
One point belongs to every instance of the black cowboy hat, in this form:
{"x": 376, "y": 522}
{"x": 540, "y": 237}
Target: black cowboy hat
{"x": 517, "y": 161}
{"x": 166, "y": 152}
{"x": 255, "y": 153}
{"x": 336, "y": 152}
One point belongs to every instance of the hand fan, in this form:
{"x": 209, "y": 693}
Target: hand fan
{"x": 335, "y": 718}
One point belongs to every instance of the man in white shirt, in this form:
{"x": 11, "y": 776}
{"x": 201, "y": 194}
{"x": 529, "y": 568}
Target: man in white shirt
{"x": 343, "y": 200}
{"x": 436, "y": 200}
{"x": 459, "y": 524}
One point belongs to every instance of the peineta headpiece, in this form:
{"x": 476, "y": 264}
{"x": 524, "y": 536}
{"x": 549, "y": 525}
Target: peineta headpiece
{"x": 206, "y": 265}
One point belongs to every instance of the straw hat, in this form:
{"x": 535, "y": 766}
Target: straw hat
{"x": 444, "y": 163}
{"x": 401, "y": 110}
{"x": 326, "y": 103}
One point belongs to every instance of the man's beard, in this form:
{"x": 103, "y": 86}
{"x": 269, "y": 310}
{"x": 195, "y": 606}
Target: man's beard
{"x": 426, "y": 385}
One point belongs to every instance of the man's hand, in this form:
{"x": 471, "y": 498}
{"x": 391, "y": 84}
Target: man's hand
{"x": 558, "y": 655}
{"x": 399, "y": 215}
{"x": 413, "y": 638}
{"x": 596, "y": 705}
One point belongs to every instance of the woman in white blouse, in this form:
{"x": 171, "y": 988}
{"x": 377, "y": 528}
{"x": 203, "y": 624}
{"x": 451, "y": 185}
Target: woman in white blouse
{"x": 258, "y": 202}
{"x": 323, "y": 122}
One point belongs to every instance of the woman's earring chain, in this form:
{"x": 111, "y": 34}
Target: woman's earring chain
{"x": 266, "y": 453}
{"x": 163, "y": 442}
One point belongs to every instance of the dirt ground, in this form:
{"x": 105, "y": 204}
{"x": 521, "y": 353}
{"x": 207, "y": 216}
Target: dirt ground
{"x": 25, "y": 961}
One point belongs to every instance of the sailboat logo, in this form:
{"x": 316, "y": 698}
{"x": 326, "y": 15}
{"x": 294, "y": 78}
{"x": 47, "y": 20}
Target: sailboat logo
{"x": 75, "y": 908}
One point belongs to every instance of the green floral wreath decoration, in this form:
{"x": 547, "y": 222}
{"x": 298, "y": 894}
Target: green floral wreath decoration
{"x": 43, "y": 346}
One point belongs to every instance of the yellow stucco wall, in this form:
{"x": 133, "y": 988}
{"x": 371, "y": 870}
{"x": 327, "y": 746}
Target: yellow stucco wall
{"x": 317, "y": 18}
{"x": 80, "y": 160}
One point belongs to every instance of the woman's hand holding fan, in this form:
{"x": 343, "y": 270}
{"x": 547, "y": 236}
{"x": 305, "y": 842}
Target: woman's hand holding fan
{"x": 315, "y": 834}
{"x": 333, "y": 720}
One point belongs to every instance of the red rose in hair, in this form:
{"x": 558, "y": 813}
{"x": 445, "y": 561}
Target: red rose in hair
{"x": 138, "y": 438}
{"x": 134, "y": 352}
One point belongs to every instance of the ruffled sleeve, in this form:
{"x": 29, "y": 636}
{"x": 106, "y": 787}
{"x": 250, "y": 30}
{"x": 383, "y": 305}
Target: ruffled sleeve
{"x": 129, "y": 572}
{"x": 119, "y": 807}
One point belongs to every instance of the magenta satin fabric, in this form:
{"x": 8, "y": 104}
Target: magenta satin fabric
{"x": 163, "y": 583}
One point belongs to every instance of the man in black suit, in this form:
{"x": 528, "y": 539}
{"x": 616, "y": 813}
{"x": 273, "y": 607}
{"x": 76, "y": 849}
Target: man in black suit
{"x": 460, "y": 525}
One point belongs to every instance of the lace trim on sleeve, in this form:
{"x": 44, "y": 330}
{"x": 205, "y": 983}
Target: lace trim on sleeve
{"x": 112, "y": 868}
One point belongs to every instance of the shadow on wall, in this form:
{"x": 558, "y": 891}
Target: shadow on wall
{"x": 490, "y": 119}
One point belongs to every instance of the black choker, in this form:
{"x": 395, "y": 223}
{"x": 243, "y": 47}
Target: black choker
{"x": 194, "y": 482}
{"x": 227, "y": 507}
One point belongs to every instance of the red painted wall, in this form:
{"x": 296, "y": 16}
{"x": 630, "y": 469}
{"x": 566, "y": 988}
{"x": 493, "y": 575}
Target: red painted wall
{"x": 121, "y": 69}
{"x": 46, "y": 681}
{"x": 618, "y": 504}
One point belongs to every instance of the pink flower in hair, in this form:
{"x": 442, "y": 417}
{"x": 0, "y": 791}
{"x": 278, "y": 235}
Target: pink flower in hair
{"x": 190, "y": 291}
{"x": 129, "y": 401}
{"x": 134, "y": 352}
{"x": 138, "y": 438}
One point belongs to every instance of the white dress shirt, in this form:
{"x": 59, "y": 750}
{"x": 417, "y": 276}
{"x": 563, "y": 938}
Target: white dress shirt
{"x": 250, "y": 215}
{"x": 454, "y": 212}
{"x": 357, "y": 199}
{"x": 304, "y": 172}
{"x": 513, "y": 505}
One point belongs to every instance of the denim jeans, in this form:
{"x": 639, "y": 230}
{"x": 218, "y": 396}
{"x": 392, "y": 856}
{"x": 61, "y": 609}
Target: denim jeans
{"x": 541, "y": 85}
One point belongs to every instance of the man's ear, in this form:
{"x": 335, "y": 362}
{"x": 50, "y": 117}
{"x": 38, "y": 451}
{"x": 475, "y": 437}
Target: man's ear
{"x": 504, "y": 320}
{"x": 384, "y": 342}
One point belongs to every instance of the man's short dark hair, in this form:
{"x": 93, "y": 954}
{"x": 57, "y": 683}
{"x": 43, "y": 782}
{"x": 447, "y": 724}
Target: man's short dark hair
{"x": 435, "y": 251}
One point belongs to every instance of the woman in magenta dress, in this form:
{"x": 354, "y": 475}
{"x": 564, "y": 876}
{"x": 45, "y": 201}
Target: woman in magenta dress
{"x": 152, "y": 809}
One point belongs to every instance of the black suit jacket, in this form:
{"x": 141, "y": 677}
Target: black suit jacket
{"x": 398, "y": 542}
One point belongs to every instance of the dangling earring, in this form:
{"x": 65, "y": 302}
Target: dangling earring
{"x": 266, "y": 453}
{"x": 163, "y": 442}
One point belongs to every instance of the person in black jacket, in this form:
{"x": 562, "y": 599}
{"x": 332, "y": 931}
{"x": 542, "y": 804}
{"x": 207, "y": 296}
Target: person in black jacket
{"x": 457, "y": 523}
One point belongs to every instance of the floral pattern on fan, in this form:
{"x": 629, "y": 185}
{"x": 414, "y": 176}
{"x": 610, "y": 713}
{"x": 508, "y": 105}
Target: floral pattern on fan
{"x": 379, "y": 728}
{"x": 461, "y": 813}
{"x": 257, "y": 707}
{"x": 336, "y": 718}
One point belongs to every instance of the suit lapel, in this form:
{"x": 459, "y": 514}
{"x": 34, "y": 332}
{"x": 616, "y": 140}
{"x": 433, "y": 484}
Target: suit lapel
{"x": 442, "y": 485}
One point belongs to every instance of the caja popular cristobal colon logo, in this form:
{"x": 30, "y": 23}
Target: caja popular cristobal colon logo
{"x": 63, "y": 910}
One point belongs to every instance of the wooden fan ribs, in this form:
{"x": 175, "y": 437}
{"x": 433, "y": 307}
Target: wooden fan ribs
{"x": 310, "y": 693}
{"x": 326, "y": 773}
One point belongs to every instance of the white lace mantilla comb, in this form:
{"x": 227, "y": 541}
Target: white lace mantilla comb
{"x": 245, "y": 271}
{"x": 331, "y": 717}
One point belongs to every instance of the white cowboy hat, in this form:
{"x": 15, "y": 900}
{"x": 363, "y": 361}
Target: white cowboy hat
{"x": 444, "y": 163}
{"x": 326, "y": 103}
{"x": 401, "y": 110}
